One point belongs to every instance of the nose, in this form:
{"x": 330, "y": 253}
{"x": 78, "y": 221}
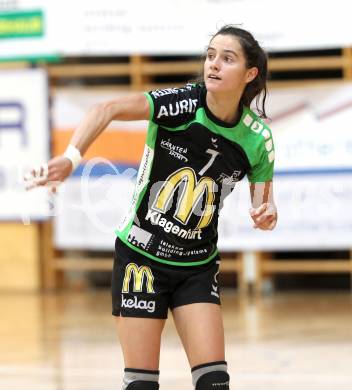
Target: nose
{"x": 214, "y": 65}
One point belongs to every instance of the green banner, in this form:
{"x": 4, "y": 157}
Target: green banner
{"x": 53, "y": 58}
{"x": 21, "y": 24}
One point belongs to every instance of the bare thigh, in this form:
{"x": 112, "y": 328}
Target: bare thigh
{"x": 201, "y": 330}
{"x": 140, "y": 341}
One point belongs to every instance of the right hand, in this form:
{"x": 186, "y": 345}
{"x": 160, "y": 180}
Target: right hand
{"x": 51, "y": 174}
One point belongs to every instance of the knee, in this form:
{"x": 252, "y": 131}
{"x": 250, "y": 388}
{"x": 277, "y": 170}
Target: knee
{"x": 211, "y": 376}
{"x": 135, "y": 379}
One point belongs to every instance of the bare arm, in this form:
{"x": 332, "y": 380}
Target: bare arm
{"x": 126, "y": 108}
{"x": 263, "y": 211}
{"x": 97, "y": 119}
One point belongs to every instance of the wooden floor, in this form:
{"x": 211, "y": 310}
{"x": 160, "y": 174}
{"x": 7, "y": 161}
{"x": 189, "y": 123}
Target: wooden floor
{"x": 281, "y": 342}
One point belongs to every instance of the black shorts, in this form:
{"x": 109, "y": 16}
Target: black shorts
{"x": 145, "y": 288}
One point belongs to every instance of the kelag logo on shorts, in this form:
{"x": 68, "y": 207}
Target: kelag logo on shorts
{"x": 134, "y": 303}
{"x": 138, "y": 275}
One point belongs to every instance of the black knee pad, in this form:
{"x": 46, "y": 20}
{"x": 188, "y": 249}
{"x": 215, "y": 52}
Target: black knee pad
{"x": 215, "y": 380}
{"x": 211, "y": 376}
{"x": 137, "y": 379}
{"x": 143, "y": 385}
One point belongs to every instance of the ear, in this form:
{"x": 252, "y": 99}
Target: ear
{"x": 252, "y": 73}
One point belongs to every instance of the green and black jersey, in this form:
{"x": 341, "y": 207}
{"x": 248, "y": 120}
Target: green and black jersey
{"x": 191, "y": 162}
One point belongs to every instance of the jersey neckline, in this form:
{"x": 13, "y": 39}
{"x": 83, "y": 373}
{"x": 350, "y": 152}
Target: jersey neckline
{"x": 214, "y": 118}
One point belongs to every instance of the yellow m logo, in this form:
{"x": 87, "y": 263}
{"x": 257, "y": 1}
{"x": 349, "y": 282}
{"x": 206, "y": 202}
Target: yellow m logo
{"x": 192, "y": 193}
{"x": 138, "y": 277}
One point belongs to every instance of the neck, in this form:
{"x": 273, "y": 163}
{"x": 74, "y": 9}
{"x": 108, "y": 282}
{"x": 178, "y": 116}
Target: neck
{"x": 224, "y": 107}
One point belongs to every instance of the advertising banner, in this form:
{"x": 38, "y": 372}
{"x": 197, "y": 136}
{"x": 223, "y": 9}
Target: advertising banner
{"x": 40, "y": 28}
{"x": 24, "y": 142}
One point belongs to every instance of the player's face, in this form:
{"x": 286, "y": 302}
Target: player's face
{"x": 225, "y": 68}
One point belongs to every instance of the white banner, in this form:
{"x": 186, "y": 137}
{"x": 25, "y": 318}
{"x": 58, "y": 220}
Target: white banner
{"x": 24, "y": 142}
{"x": 312, "y": 128}
{"x": 111, "y": 27}
{"x": 314, "y": 213}
{"x": 313, "y": 186}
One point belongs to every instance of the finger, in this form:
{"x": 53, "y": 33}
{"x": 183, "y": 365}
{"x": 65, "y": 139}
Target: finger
{"x": 28, "y": 176}
{"x": 31, "y": 185}
{"x": 44, "y": 170}
{"x": 39, "y": 171}
{"x": 259, "y": 211}
{"x": 36, "y": 177}
{"x": 29, "y": 182}
{"x": 267, "y": 215}
{"x": 267, "y": 225}
{"x": 36, "y": 182}
{"x": 262, "y": 219}
{"x": 272, "y": 225}
{"x": 41, "y": 181}
{"x": 255, "y": 213}
{"x": 262, "y": 226}
{"x": 265, "y": 219}
{"x": 252, "y": 211}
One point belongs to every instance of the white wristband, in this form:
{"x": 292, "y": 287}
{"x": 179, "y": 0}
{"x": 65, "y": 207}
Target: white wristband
{"x": 74, "y": 155}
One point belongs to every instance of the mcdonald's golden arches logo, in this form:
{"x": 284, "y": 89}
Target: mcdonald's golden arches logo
{"x": 138, "y": 274}
{"x": 191, "y": 195}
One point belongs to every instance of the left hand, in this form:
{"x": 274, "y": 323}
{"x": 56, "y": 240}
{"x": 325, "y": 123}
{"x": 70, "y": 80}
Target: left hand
{"x": 50, "y": 174}
{"x": 264, "y": 217}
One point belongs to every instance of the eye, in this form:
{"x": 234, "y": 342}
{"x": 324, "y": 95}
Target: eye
{"x": 210, "y": 56}
{"x": 228, "y": 59}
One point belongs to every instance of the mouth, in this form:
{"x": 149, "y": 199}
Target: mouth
{"x": 214, "y": 77}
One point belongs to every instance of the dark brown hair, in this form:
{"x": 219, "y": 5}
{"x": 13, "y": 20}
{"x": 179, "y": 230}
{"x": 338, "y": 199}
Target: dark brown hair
{"x": 255, "y": 57}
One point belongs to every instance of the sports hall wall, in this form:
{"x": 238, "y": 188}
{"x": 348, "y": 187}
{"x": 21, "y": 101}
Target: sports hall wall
{"x": 48, "y": 81}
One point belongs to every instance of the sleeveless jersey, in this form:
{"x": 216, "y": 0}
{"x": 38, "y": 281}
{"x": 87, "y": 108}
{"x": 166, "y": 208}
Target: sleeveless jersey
{"x": 191, "y": 162}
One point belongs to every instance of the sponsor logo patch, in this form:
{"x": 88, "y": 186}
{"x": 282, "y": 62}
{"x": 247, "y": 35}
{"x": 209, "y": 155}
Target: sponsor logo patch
{"x": 229, "y": 180}
{"x": 177, "y": 108}
{"x": 139, "y": 237}
{"x": 156, "y": 218}
{"x": 138, "y": 275}
{"x": 174, "y": 150}
{"x": 134, "y": 303}
{"x": 169, "y": 91}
